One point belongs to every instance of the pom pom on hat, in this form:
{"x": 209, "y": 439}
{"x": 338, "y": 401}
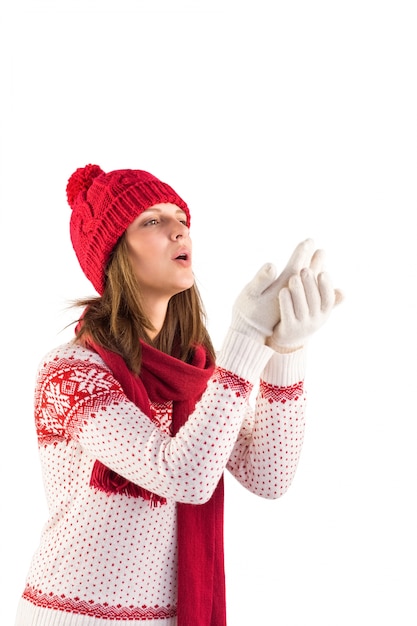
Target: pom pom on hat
{"x": 103, "y": 205}
{"x": 81, "y": 180}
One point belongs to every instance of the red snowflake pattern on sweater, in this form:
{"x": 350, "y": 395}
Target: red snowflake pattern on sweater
{"x": 61, "y": 391}
{"x": 161, "y": 415}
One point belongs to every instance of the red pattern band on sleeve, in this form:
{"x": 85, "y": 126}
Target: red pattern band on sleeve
{"x": 274, "y": 393}
{"x": 227, "y": 380}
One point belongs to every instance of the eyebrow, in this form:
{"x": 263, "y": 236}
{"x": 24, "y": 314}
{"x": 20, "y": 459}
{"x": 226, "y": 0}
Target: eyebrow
{"x": 161, "y": 210}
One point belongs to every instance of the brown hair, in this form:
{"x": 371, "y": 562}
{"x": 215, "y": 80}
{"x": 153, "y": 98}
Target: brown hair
{"x": 116, "y": 319}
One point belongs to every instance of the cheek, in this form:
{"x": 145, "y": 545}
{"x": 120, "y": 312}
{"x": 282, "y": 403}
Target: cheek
{"x": 139, "y": 252}
{"x": 134, "y": 258}
{"x": 146, "y": 262}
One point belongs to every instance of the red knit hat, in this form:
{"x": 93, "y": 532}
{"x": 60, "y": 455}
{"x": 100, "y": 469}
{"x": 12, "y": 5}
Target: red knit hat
{"x": 103, "y": 205}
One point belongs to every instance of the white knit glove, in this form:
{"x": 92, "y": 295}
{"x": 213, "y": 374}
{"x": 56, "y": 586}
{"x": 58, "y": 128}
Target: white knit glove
{"x": 256, "y": 310}
{"x": 305, "y": 304}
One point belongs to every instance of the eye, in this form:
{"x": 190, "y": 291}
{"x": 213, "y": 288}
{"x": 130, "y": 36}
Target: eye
{"x": 184, "y": 222}
{"x": 151, "y": 222}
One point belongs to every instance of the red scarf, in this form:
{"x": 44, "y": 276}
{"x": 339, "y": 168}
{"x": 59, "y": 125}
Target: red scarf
{"x": 201, "y": 578}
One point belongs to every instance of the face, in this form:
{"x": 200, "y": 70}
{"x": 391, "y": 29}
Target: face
{"x": 160, "y": 251}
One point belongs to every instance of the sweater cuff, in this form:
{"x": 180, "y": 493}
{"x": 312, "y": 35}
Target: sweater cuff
{"x": 284, "y": 370}
{"x": 243, "y": 356}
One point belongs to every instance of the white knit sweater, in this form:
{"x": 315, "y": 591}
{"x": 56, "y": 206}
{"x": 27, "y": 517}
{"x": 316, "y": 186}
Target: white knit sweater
{"x": 111, "y": 559}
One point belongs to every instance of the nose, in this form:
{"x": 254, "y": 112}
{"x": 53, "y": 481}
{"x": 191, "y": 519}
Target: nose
{"x": 179, "y": 231}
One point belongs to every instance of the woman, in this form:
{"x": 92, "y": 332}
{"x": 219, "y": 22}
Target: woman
{"x": 137, "y": 421}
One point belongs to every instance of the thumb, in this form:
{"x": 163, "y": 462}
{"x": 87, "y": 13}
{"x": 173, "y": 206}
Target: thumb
{"x": 262, "y": 280}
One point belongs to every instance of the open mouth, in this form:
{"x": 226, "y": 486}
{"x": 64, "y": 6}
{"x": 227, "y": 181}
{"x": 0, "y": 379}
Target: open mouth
{"x": 183, "y": 255}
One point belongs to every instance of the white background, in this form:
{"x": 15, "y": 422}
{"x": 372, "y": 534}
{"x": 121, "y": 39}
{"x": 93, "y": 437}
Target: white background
{"x": 275, "y": 121}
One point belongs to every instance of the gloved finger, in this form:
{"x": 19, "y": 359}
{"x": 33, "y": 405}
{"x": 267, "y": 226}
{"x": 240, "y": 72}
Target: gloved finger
{"x": 262, "y": 280}
{"x": 286, "y": 308}
{"x": 301, "y": 257}
{"x": 327, "y": 291}
{"x": 317, "y": 262}
{"x": 312, "y": 291}
{"x": 298, "y": 296}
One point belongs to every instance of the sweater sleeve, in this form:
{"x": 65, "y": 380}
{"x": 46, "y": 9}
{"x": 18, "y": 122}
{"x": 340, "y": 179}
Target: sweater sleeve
{"x": 265, "y": 456}
{"x": 77, "y": 398}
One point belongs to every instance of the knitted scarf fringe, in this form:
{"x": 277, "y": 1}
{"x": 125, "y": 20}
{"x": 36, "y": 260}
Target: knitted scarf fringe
{"x": 105, "y": 479}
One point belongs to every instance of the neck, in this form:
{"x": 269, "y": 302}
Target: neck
{"x": 156, "y": 312}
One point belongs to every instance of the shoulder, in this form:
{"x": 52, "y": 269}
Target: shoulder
{"x": 78, "y": 366}
{"x": 71, "y": 382}
{"x": 69, "y": 354}
{"x": 73, "y": 371}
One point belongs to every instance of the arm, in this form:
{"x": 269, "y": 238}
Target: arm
{"x": 266, "y": 454}
{"x": 78, "y": 398}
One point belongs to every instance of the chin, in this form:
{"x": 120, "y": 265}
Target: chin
{"x": 185, "y": 286}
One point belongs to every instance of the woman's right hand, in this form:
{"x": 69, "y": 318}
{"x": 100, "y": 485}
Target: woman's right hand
{"x": 256, "y": 310}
